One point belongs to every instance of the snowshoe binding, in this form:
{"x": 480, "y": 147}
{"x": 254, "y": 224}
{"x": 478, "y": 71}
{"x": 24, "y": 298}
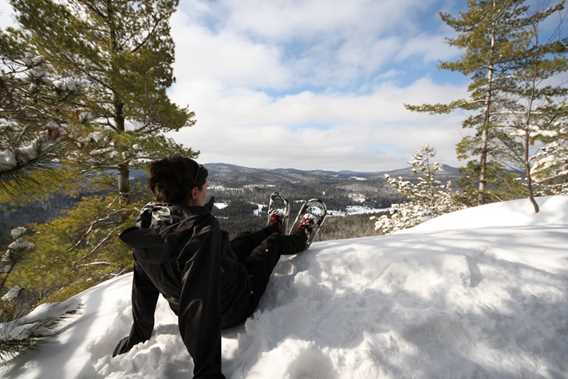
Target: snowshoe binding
{"x": 310, "y": 219}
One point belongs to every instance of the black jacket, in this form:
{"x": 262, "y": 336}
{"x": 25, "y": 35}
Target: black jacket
{"x": 182, "y": 253}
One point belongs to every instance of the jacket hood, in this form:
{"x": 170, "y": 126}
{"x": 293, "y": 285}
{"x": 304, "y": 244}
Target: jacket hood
{"x": 159, "y": 229}
{"x": 155, "y": 215}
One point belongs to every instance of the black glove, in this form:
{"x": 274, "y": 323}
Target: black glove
{"x": 122, "y": 347}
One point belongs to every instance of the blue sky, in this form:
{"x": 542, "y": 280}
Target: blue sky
{"x": 314, "y": 84}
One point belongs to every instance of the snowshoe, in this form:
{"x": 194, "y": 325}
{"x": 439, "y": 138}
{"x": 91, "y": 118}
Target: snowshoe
{"x": 310, "y": 218}
{"x": 278, "y": 211}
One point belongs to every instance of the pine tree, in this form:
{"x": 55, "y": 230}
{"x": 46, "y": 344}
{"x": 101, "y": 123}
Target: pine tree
{"x": 488, "y": 32}
{"x": 115, "y": 57}
{"x": 121, "y": 53}
{"x": 503, "y": 184}
{"x": 536, "y": 108}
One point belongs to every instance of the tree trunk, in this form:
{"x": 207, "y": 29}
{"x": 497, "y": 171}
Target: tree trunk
{"x": 527, "y": 133}
{"x": 528, "y": 171}
{"x": 481, "y": 197}
{"x": 123, "y": 167}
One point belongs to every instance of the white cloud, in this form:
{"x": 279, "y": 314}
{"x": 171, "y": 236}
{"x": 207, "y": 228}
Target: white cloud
{"x": 251, "y": 128}
{"x": 232, "y": 55}
{"x": 326, "y": 42}
{"x": 225, "y": 57}
{"x": 430, "y": 47}
{"x": 313, "y": 19}
{"x": 6, "y": 14}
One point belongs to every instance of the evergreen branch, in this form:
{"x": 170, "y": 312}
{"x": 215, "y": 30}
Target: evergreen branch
{"x": 151, "y": 33}
{"x": 104, "y": 263}
{"x": 120, "y": 272}
{"x": 109, "y": 124}
{"x": 14, "y": 176}
{"x": 92, "y": 225}
{"x": 90, "y": 253}
{"x": 147, "y": 131}
{"x": 93, "y": 8}
{"x": 13, "y": 343}
{"x": 87, "y": 73}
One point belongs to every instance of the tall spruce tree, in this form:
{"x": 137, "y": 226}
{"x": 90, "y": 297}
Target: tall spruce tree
{"x": 120, "y": 52}
{"x": 488, "y": 32}
{"x": 535, "y": 108}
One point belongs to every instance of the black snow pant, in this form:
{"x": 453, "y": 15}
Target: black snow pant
{"x": 260, "y": 254}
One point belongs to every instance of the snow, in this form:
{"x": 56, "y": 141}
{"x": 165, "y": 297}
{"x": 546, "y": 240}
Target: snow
{"x": 258, "y": 211}
{"x": 356, "y": 210}
{"x": 554, "y": 210}
{"x": 357, "y": 197}
{"x": 20, "y": 244}
{"x": 223, "y": 188}
{"x": 221, "y": 205}
{"x": 97, "y": 136}
{"x": 11, "y": 294}
{"x": 479, "y": 293}
{"x": 7, "y": 160}
{"x": 359, "y": 178}
{"x": 18, "y": 232}
{"x": 255, "y": 186}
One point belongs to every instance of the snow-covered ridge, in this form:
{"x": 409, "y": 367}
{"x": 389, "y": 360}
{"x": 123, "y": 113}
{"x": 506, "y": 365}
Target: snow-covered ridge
{"x": 554, "y": 210}
{"x": 480, "y": 293}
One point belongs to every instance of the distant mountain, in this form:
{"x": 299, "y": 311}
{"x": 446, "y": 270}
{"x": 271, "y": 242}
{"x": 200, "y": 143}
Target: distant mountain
{"x": 238, "y": 175}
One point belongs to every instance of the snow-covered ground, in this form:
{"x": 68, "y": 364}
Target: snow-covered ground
{"x": 258, "y": 211}
{"x": 480, "y": 293}
{"x": 357, "y": 197}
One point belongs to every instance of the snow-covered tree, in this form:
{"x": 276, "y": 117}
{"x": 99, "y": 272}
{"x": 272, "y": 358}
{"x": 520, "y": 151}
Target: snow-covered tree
{"x": 534, "y": 102}
{"x": 427, "y": 196}
{"x": 550, "y": 163}
{"x": 33, "y": 108}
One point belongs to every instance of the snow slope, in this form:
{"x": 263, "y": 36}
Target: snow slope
{"x": 481, "y": 293}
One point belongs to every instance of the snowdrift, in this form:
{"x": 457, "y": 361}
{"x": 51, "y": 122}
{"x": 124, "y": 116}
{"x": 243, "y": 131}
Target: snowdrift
{"x": 481, "y": 293}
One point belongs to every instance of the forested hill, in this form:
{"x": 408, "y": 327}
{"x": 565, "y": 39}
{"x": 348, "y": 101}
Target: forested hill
{"x": 338, "y": 187}
{"x": 232, "y": 174}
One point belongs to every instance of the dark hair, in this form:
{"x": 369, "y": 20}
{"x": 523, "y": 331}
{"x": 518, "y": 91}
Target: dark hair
{"x": 173, "y": 178}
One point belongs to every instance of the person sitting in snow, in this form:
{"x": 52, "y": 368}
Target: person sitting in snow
{"x": 180, "y": 251}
